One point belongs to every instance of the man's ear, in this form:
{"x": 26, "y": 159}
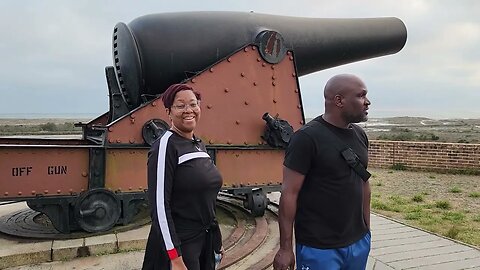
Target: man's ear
{"x": 338, "y": 100}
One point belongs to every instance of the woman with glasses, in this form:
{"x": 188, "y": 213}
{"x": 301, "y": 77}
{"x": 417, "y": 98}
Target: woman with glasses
{"x": 183, "y": 184}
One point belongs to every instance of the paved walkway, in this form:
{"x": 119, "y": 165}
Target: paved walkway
{"x": 394, "y": 246}
{"x": 397, "y": 246}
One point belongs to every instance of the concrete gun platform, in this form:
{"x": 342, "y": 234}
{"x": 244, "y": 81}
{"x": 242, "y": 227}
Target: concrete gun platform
{"x": 394, "y": 246}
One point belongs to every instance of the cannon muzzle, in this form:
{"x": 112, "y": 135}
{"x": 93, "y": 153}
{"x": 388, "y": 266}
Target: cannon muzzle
{"x": 154, "y": 51}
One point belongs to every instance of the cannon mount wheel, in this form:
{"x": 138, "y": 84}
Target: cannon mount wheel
{"x": 97, "y": 210}
{"x": 256, "y": 202}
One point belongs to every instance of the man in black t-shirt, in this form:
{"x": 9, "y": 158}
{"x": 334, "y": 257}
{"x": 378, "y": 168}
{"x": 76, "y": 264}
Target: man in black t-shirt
{"x": 328, "y": 200}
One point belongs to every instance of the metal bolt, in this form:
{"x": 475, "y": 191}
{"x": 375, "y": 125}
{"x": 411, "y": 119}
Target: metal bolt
{"x": 229, "y": 142}
{"x": 301, "y": 122}
{"x": 273, "y": 77}
{"x": 258, "y": 59}
{"x": 242, "y": 74}
{"x": 245, "y": 142}
{"x": 274, "y": 101}
{"x": 33, "y": 192}
{"x": 254, "y": 48}
{"x": 299, "y": 106}
{"x": 291, "y": 58}
{"x": 132, "y": 121}
{"x": 210, "y": 141}
{"x": 211, "y": 69}
{"x": 254, "y": 83}
{"x": 294, "y": 74}
{"x": 264, "y": 64}
{"x": 132, "y": 115}
{"x": 6, "y": 193}
{"x": 273, "y": 66}
{"x": 20, "y": 193}
{"x": 45, "y": 191}
{"x": 84, "y": 174}
{"x": 229, "y": 59}
{"x": 110, "y": 140}
{"x": 119, "y": 141}
{"x": 246, "y": 49}
{"x": 193, "y": 80}
{"x": 209, "y": 106}
{"x": 273, "y": 83}
{"x": 132, "y": 141}
{"x": 237, "y": 122}
{"x": 59, "y": 191}
{"x": 154, "y": 103}
{"x": 110, "y": 129}
{"x": 246, "y": 102}
{"x": 296, "y": 90}
{"x": 226, "y": 90}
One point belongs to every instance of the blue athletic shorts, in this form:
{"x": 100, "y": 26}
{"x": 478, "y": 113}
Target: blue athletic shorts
{"x": 353, "y": 257}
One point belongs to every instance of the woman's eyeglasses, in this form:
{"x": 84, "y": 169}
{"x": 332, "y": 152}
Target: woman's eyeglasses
{"x": 183, "y": 107}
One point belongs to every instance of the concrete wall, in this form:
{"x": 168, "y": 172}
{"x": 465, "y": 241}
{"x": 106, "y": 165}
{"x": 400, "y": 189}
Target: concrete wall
{"x": 428, "y": 156}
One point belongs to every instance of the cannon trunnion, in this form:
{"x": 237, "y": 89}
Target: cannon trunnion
{"x": 245, "y": 65}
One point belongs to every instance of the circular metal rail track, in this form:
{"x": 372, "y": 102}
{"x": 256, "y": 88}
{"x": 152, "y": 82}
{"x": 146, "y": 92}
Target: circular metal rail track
{"x": 254, "y": 241}
{"x": 249, "y": 242}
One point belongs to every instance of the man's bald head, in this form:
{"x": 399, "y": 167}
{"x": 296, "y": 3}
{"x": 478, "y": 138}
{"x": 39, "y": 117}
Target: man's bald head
{"x": 340, "y": 84}
{"x": 346, "y": 99}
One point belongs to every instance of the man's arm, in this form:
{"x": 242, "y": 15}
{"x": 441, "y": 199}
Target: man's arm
{"x": 292, "y": 182}
{"x": 366, "y": 203}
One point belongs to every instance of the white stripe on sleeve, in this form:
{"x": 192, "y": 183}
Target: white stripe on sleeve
{"x": 161, "y": 213}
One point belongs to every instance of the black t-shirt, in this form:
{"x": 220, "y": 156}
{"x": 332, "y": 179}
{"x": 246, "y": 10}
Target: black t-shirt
{"x": 330, "y": 203}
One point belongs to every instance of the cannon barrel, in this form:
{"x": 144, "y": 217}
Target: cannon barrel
{"x": 154, "y": 51}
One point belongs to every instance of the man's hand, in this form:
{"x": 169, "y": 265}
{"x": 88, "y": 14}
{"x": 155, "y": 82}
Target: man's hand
{"x": 178, "y": 264}
{"x": 284, "y": 260}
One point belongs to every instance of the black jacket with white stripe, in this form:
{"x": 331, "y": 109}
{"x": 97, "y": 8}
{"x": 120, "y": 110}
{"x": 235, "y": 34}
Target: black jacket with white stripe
{"x": 183, "y": 184}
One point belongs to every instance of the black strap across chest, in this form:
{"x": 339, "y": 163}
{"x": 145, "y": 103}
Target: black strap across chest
{"x": 347, "y": 153}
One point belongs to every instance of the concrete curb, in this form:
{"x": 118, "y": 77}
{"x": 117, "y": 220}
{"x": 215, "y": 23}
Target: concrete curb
{"x": 15, "y": 252}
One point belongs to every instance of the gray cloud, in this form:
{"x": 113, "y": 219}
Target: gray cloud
{"x": 53, "y": 53}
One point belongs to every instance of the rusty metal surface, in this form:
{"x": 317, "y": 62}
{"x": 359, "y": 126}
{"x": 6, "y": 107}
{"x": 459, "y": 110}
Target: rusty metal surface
{"x": 36, "y": 140}
{"x": 247, "y": 167}
{"x": 30, "y": 171}
{"x": 236, "y": 92}
{"x": 126, "y": 170}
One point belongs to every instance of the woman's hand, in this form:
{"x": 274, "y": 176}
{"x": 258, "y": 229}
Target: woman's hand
{"x": 178, "y": 264}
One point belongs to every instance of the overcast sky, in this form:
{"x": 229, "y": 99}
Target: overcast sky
{"x": 53, "y": 53}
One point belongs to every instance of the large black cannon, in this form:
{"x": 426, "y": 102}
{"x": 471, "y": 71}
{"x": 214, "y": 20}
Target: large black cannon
{"x": 154, "y": 51}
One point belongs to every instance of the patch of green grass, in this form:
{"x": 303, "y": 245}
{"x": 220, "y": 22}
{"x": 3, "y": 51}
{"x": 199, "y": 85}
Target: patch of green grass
{"x": 443, "y": 205}
{"x": 378, "y": 184}
{"x": 474, "y": 195}
{"x": 398, "y": 167}
{"x": 452, "y": 232}
{"x": 455, "y": 189}
{"x": 398, "y": 200}
{"x": 476, "y": 218}
{"x": 432, "y": 176}
{"x": 385, "y": 206}
{"x": 453, "y": 216}
{"x": 418, "y": 198}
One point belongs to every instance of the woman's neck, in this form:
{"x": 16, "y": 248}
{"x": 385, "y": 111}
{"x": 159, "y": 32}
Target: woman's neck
{"x": 187, "y": 135}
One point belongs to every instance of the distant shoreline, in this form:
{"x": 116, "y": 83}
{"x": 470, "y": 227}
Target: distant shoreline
{"x": 72, "y": 116}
